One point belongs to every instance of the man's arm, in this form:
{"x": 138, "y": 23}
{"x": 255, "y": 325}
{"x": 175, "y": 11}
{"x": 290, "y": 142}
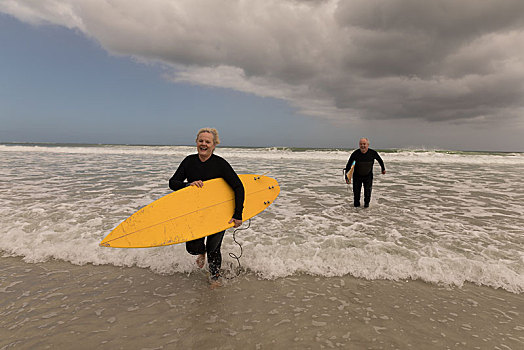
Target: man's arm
{"x": 381, "y": 162}
{"x": 351, "y": 159}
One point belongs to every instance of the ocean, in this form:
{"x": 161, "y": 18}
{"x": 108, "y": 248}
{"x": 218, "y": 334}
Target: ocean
{"x": 439, "y": 222}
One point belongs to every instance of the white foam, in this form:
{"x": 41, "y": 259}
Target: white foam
{"x": 448, "y": 221}
{"x": 421, "y": 156}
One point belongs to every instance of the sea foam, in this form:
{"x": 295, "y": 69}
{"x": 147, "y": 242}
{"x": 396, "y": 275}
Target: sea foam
{"x": 435, "y": 216}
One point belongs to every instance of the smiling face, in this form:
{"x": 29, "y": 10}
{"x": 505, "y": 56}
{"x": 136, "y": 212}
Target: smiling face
{"x": 205, "y": 145}
{"x": 363, "y": 145}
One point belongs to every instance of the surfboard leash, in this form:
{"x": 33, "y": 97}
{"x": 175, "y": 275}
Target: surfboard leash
{"x": 233, "y": 255}
{"x": 348, "y": 185}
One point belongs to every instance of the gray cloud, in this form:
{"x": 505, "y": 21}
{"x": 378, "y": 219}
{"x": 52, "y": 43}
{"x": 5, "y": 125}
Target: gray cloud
{"x": 442, "y": 60}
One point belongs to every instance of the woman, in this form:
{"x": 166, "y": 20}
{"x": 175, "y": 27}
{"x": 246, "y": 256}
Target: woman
{"x": 196, "y": 169}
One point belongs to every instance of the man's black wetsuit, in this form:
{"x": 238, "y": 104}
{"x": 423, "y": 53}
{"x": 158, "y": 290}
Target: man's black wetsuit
{"x": 363, "y": 173}
{"x": 193, "y": 169}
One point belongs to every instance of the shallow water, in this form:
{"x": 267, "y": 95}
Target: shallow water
{"x": 443, "y": 218}
{"x": 58, "y": 305}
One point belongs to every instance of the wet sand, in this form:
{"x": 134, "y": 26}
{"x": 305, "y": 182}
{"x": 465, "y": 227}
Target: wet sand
{"x": 58, "y": 305}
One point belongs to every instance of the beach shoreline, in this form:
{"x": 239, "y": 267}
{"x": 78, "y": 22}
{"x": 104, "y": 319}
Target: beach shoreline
{"x": 56, "y": 304}
{"x": 437, "y": 217}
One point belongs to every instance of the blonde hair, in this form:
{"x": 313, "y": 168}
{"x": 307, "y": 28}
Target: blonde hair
{"x": 212, "y": 131}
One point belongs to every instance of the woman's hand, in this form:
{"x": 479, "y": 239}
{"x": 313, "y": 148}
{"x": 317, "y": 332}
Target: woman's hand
{"x": 236, "y": 222}
{"x": 198, "y": 183}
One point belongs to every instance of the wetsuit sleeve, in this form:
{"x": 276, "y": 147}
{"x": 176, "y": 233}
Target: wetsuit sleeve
{"x": 350, "y": 161}
{"x": 176, "y": 182}
{"x": 380, "y": 161}
{"x": 233, "y": 180}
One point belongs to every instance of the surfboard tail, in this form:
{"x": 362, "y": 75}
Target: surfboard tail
{"x": 349, "y": 174}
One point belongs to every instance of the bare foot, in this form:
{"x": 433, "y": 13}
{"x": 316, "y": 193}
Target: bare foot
{"x": 215, "y": 283}
{"x": 200, "y": 260}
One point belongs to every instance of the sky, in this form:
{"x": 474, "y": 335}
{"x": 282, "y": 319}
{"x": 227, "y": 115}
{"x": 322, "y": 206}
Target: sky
{"x": 439, "y": 74}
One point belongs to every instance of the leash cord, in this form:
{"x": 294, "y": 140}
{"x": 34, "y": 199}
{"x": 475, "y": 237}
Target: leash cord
{"x": 233, "y": 255}
{"x": 348, "y": 185}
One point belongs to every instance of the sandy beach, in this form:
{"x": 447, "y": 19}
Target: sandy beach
{"x": 59, "y": 305}
{"x": 131, "y": 129}
{"x": 434, "y": 263}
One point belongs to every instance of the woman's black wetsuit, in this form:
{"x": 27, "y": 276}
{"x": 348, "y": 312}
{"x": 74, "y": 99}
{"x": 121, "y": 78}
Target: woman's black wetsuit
{"x": 193, "y": 169}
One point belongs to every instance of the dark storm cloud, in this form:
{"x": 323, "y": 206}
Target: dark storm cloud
{"x": 442, "y": 60}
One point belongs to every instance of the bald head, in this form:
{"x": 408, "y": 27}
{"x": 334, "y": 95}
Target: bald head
{"x": 363, "y": 144}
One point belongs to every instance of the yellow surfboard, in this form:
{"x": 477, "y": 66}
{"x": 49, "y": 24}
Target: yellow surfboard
{"x": 349, "y": 175}
{"x": 192, "y": 213}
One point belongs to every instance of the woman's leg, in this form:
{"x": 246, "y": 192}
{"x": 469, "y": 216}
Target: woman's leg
{"x": 214, "y": 255}
{"x": 197, "y": 247}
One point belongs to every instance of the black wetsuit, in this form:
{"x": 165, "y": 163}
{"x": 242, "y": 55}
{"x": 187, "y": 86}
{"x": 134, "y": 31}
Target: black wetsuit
{"x": 363, "y": 173}
{"x": 193, "y": 169}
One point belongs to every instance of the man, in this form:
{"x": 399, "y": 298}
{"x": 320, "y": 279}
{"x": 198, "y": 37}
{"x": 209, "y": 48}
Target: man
{"x": 364, "y": 158}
